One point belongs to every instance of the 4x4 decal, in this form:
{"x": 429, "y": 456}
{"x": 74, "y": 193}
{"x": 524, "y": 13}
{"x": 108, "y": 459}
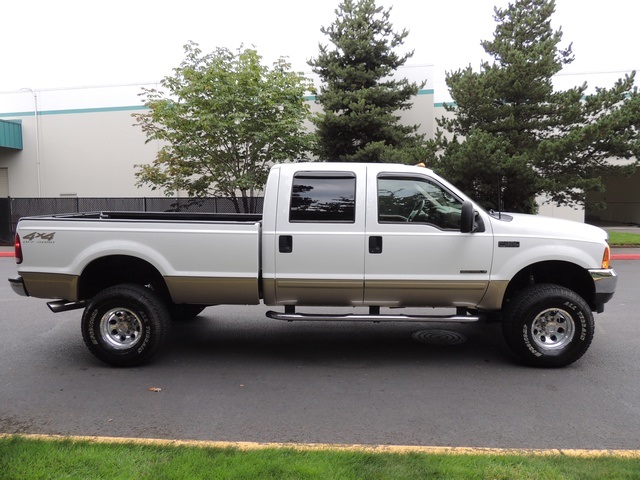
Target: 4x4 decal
{"x": 44, "y": 236}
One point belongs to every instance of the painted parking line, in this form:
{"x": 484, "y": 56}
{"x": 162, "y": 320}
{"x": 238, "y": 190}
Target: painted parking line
{"x": 307, "y": 447}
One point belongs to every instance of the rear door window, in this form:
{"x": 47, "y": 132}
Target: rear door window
{"x": 328, "y": 197}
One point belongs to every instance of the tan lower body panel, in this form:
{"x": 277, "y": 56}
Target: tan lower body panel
{"x": 318, "y": 292}
{"x": 214, "y": 291}
{"x": 245, "y": 291}
{"x": 492, "y": 300}
{"x": 409, "y": 293}
{"x": 417, "y": 293}
{"x": 51, "y": 285}
{"x": 201, "y": 290}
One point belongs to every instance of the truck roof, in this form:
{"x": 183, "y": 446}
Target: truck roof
{"x": 342, "y": 166}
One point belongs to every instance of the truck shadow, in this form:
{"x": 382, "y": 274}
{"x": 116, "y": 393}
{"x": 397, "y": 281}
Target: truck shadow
{"x": 348, "y": 345}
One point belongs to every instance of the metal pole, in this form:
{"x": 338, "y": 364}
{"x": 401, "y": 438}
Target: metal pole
{"x": 35, "y": 117}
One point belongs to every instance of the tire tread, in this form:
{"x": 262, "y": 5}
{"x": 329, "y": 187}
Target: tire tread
{"x": 156, "y": 313}
{"x": 519, "y": 309}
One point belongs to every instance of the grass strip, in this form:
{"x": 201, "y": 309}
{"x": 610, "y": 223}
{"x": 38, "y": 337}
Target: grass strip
{"x": 23, "y": 457}
{"x": 623, "y": 239}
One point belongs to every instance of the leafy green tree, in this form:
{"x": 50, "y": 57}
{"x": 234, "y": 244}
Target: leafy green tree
{"x": 360, "y": 99}
{"x": 223, "y": 119}
{"x": 514, "y": 137}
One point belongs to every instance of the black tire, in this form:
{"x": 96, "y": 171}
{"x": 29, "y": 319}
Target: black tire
{"x": 183, "y": 311}
{"x": 548, "y": 326}
{"x": 125, "y": 325}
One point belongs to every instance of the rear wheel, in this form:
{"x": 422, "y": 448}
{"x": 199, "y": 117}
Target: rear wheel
{"x": 125, "y": 325}
{"x": 548, "y": 326}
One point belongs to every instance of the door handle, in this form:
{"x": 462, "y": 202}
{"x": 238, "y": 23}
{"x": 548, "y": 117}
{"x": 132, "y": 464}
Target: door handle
{"x": 285, "y": 244}
{"x": 375, "y": 244}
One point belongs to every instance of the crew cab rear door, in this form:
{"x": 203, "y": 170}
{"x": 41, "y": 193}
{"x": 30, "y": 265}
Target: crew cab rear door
{"x": 320, "y": 244}
{"x": 416, "y": 254}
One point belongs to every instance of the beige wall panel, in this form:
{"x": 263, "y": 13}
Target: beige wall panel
{"x": 622, "y": 196}
{"x": 92, "y": 154}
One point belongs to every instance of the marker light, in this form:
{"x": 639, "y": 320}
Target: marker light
{"x": 606, "y": 257}
{"x": 18, "y": 249}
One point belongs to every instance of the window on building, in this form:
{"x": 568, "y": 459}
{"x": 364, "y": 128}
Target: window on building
{"x": 323, "y": 197}
{"x": 4, "y": 182}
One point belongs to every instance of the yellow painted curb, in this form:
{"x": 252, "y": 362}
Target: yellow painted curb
{"x": 400, "y": 449}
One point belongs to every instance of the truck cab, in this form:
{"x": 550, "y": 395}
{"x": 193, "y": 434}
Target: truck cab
{"x": 363, "y": 235}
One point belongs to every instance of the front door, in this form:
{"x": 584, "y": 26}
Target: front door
{"x": 417, "y": 255}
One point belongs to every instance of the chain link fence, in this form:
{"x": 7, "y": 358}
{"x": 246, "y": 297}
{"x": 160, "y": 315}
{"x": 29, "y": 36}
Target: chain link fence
{"x": 12, "y": 209}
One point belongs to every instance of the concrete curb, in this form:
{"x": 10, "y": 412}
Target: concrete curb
{"x": 306, "y": 447}
{"x": 625, "y": 256}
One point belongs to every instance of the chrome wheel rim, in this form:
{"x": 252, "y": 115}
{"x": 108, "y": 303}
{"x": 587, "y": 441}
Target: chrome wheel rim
{"x": 553, "y": 329}
{"x": 121, "y": 328}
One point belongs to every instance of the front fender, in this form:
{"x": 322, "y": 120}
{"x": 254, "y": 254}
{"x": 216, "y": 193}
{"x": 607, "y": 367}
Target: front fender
{"x": 508, "y": 261}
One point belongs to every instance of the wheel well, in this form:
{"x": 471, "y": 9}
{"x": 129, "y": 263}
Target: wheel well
{"x": 565, "y": 274}
{"x": 118, "y": 269}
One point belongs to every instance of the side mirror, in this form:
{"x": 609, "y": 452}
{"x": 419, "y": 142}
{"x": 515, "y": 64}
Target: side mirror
{"x": 467, "y": 217}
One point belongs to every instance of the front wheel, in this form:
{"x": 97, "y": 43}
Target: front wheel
{"x": 125, "y": 325}
{"x": 548, "y": 326}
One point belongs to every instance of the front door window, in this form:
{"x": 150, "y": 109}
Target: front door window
{"x": 402, "y": 200}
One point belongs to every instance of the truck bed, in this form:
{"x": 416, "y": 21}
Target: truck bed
{"x": 161, "y": 216}
{"x": 204, "y": 258}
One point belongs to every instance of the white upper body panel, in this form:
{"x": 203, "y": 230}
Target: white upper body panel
{"x": 181, "y": 249}
{"x": 332, "y": 234}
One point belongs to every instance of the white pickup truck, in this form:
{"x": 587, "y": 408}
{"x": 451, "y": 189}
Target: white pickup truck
{"x": 340, "y": 235}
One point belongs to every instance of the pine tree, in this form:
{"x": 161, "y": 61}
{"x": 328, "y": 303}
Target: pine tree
{"x": 360, "y": 99}
{"x": 514, "y": 137}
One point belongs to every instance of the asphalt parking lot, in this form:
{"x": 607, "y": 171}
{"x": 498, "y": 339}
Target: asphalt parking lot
{"x": 234, "y": 375}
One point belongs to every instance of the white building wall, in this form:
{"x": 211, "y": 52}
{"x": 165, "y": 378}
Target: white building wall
{"x": 421, "y": 113}
{"x": 83, "y": 142}
{"x": 89, "y": 153}
{"x": 93, "y": 154}
{"x": 72, "y": 148}
{"x": 551, "y": 209}
{"x": 22, "y": 166}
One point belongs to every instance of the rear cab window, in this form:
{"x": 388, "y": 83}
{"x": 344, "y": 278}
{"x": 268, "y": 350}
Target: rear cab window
{"x": 323, "y": 197}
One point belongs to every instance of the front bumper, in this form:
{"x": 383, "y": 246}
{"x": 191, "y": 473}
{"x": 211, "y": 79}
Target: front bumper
{"x": 17, "y": 285}
{"x": 605, "y": 281}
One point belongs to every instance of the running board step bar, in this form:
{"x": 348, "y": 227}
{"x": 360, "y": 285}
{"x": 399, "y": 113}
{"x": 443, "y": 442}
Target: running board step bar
{"x": 290, "y": 316}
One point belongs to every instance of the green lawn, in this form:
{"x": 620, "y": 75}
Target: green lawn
{"x": 28, "y": 458}
{"x": 620, "y": 238}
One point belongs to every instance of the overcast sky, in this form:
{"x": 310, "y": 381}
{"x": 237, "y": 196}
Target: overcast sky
{"x": 50, "y": 44}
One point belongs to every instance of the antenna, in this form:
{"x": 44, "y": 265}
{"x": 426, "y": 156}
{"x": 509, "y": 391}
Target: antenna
{"x": 500, "y": 205}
